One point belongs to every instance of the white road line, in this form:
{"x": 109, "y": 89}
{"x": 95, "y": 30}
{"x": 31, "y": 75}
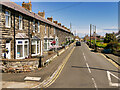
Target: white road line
{"x": 83, "y": 54}
{"x": 94, "y": 83}
{"x": 109, "y": 74}
{"x": 84, "y": 57}
{"x": 88, "y": 67}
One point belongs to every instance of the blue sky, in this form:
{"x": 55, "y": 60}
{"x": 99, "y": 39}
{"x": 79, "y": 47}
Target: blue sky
{"x": 81, "y": 14}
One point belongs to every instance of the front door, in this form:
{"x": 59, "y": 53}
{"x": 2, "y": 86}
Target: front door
{"x": 8, "y": 49}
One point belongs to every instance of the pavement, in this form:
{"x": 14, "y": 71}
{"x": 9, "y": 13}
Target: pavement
{"x": 114, "y": 58}
{"x": 16, "y": 80}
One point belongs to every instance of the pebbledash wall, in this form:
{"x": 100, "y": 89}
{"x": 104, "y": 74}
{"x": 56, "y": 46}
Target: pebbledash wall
{"x": 25, "y": 34}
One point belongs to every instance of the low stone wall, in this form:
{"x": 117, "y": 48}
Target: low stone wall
{"x": 18, "y": 66}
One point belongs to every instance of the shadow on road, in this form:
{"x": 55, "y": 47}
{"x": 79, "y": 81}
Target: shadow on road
{"x": 95, "y": 69}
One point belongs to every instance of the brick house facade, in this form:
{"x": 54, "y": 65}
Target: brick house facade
{"x": 25, "y": 34}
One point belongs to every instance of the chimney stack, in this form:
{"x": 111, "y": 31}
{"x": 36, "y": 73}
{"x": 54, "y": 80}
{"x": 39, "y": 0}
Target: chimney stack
{"x": 55, "y": 22}
{"x": 63, "y": 26}
{"x": 59, "y": 24}
{"x": 50, "y": 19}
{"x": 42, "y": 14}
{"x": 27, "y": 6}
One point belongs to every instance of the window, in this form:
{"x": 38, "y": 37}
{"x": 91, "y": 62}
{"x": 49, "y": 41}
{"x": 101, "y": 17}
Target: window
{"x": 45, "y": 44}
{"x": 33, "y": 26}
{"x": 54, "y": 30}
{"x": 45, "y": 28}
{"x": 22, "y": 49}
{"x": 38, "y": 26}
{"x": 38, "y": 47}
{"x": 20, "y": 22}
{"x": 8, "y": 19}
{"x": 35, "y": 47}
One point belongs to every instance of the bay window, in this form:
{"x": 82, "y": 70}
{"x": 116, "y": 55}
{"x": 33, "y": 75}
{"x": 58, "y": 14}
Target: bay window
{"x": 35, "y": 47}
{"x": 22, "y": 50}
{"x": 8, "y": 19}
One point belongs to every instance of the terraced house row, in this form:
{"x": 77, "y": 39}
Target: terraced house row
{"x": 24, "y": 34}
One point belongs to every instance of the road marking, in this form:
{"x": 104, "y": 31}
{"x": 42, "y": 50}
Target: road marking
{"x": 56, "y": 75}
{"x": 94, "y": 83}
{"x": 110, "y": 81}
{"x": 32, "y": 78}
{"x": 88, "y": 67}
{"x": 83, "y": 54}
{"x": 84, "y": 57}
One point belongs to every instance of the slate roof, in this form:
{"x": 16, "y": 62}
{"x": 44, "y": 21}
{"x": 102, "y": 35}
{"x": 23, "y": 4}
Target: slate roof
{"x": 20, "y": 9}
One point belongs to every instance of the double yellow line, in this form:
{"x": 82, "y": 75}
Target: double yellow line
{"x": 59, "y": 70}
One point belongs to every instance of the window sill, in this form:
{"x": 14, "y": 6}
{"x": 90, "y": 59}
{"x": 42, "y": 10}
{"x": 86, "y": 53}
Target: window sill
{"x": 8, "y": 26}
{"x": 20, "y": 29}
{"x": 35, "y": 54}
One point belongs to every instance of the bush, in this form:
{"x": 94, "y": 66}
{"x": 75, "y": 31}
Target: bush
{"x": 114, "y": 46}
{"x": 101, "y": 45}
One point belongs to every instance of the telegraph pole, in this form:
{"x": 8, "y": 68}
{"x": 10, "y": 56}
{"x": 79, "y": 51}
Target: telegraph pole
{"x": 95, "y": 35}
{"x": 90, "y": 33}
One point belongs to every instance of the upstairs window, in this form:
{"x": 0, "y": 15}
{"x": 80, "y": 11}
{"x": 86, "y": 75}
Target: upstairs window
{"x": 33, "y": 26}
{"x": 45, "y": 28}
{"x": 20, "y": 22}
{"x": 54, "y": 30}
{"x": 8, "y": 19}
{"x": 38, "y": 26}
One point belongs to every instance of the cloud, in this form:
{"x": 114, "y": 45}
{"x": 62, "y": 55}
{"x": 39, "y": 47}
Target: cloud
{"x": 111, "y": 29}
{"x": 102, "y": 32}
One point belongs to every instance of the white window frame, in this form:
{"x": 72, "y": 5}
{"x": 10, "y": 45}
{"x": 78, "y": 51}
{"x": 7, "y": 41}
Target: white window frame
{"x": 9, "y": 16}
{"x": 38, "y": 26}
{"x": 23, "y": 44}
{"x": 33, "y": 26}
{"x": 36, "y": 48}
{"x": 39, "y": 47}
{"x": 20, "y": 22}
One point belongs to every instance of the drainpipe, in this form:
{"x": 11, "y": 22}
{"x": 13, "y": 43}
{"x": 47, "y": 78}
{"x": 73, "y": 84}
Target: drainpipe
{"x": 14, "y": 38}
{"x": 29, "y": 36}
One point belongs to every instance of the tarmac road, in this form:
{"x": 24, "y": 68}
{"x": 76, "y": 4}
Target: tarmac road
{"x": 87, "y": 69}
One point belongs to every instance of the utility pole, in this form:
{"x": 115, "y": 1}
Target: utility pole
{"x": 95, "y": 37}
{"x": 90, "y": 33}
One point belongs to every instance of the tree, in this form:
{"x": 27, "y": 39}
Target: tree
{"x": 110, "y": 37}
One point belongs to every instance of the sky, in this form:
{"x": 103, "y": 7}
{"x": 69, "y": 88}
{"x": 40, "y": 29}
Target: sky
{"x": 104, "y": 15}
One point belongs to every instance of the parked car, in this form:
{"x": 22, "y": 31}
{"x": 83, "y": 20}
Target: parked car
{"x": 78, "y": 43}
